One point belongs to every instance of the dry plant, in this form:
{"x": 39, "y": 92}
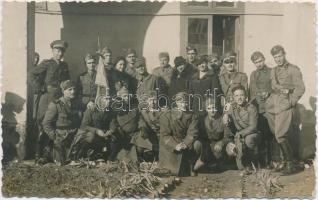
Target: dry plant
{"x": 269, "y": 182}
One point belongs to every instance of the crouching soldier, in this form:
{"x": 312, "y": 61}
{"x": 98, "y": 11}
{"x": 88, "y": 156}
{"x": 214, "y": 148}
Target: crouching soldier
{"x": 149, "y": 124}
{"x": 213, "y": 136}
{"x": 241, "y": 119}
{"x": 61, "y": 122}
{"x": 179, "y": 133}
{"x": 95, "y": 138}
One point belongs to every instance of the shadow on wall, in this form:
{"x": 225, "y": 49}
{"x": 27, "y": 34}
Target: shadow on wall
{"x": 84, "y": 22}
{"x": 11, "y": 130}
{"x": 303, "y": 134}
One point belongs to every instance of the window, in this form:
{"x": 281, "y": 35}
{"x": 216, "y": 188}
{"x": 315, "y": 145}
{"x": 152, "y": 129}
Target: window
{"x": 224, "y": 4}
{"x": 195, "y": 3}
{"x": 198, "y": 34}
{"x": 41, "y": 6}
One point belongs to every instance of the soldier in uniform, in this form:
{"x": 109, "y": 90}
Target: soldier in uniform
{"x": 61, "y": 122}
{"x": 179, "y": 144}
{"x": 241, "y": 119}
{"x": 86, "y": 86}
{"x": 165, "y": 70}
{"x": 260, "y": 89}
{"x": 147, "y": 82}
{"x": 149, "y": 124}
{"x": 288, "y": 87}
{"x": 95, "y": 138}
{"x": 213, "y": 136}
{"x": 231, "y": 77}
{"x": 53, "y": 71}
{"x": 131, "y": 58}
{"x": 192, "y": 54}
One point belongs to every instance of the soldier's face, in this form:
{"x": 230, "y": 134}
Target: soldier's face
{"x": 164, "y": 61}
{"x": 203, "y": 67}
{"x": 107, "y": 58}
{"x": 152, "y": 103}
{"x": 214, "y": 63}
{"x": 120, "y": 66}
{"x": 141, "y": 69}
{"x": 280, "y": 58}
{"x": 180, "y": 68}
{"x": 229, "y": 64}
{"x": 69, "y": 93}
{"x": 182, "y": 105}
{"x": 58, "y": 53}
{"x": 259, "y": 63}
{"x": 239, "y": 97}
{"x": 90, "y": 64}
{"x": 131, "y": 58}
{"x": 211, "y": 110}
{"x": 191, "y": 56}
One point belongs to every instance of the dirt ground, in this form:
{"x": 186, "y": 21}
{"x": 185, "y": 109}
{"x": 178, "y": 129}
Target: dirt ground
{"x": 106, "y": 180}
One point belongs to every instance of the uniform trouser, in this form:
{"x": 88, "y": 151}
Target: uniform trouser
{"x": 280, "y": 124}
{"x": 88, "y": 144}
{"x": 269, "y": 150}
{"x": 43, "y": 144}
{"x": 61, "y": 145}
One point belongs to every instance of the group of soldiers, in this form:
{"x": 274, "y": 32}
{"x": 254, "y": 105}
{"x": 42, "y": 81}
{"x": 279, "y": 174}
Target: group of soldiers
{"x": 199, "y": 112}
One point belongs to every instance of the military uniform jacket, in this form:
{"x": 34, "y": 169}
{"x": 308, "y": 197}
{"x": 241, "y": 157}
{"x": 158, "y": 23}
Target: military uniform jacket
{"x": 260, "y": 82}
{"x": 180, "y": 81}
{"x": 149, "y": 83}
{"x": 287, "y": 77}
{"x": 94, "y": 120}
{"x": 176, "y": 128}
{"x": 229, "y": 81}
{"x": 61, "y": 116}
{"x": 54, "y": 73}
{"x": 165, "y": 73}
{"x": 244, "y": 118}
{"x": 212, "y": 128}
{"x": 87, "y": 88}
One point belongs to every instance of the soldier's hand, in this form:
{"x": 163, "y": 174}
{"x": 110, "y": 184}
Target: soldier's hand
{"x": 90, "y": 105}
{"x": 218, "y": 147}
{"x": 100, "y": 133}
{"x": 178, "y": 147}
{"x": 183, "y": 146}
{"x": 108, "y": 133}
{"x": 226, "y": 119}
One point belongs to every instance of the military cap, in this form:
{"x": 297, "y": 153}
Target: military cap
{"x": 14, "y": 99}
{"x": 189, "y": 48}
{"x": 231, "y": 55}
{"x": 214, "y": 56}
{"x": 201, "y": 59}
{"x": 139, "y": 62}
{"x": 179, "y": 60}
{"x": 181, "y": 96}
{"x": 60, "y": 44}
{"x": 67, "y": 84}
{"x": 276, "y": 49}
{"x": 163, "y": 55}
{"x": 129, "y": 51}
{"x": 89, "y": 57}
{"x": 256, "y": 55}
{"x": 105, "y": 50}
{"x": 239, "y": 87}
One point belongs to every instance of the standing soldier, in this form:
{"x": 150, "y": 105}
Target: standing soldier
{"x": 165, "y": 70}
{"x": 241, "y": 118}
{"x": 53, "y": 71}
{"x": 179, "y": 134}
{"x": 131, "y": 58}
{"x": 260, "y": 89}
{"x": 288, "y": 87}
{"x": 192, "y": 54}
{"x": 86, "y": 86}
{"x": 61, "y": 122}
{"x": 231, "y": 77}
{"x": 95, "y": 133}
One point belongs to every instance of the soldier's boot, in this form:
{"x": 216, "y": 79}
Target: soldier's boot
{"x": 287, "y": 151}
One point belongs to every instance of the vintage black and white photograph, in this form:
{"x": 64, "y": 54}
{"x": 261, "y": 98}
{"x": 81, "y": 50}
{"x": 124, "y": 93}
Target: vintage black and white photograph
{"x": 140, "y": 99}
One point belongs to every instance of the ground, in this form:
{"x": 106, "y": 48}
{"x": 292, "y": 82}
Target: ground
{"x": 122, "y": 180}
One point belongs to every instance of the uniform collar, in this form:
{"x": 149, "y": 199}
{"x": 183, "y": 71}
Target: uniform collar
{"x": 285, "y": 65}
{"x": 264, "y": 69}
